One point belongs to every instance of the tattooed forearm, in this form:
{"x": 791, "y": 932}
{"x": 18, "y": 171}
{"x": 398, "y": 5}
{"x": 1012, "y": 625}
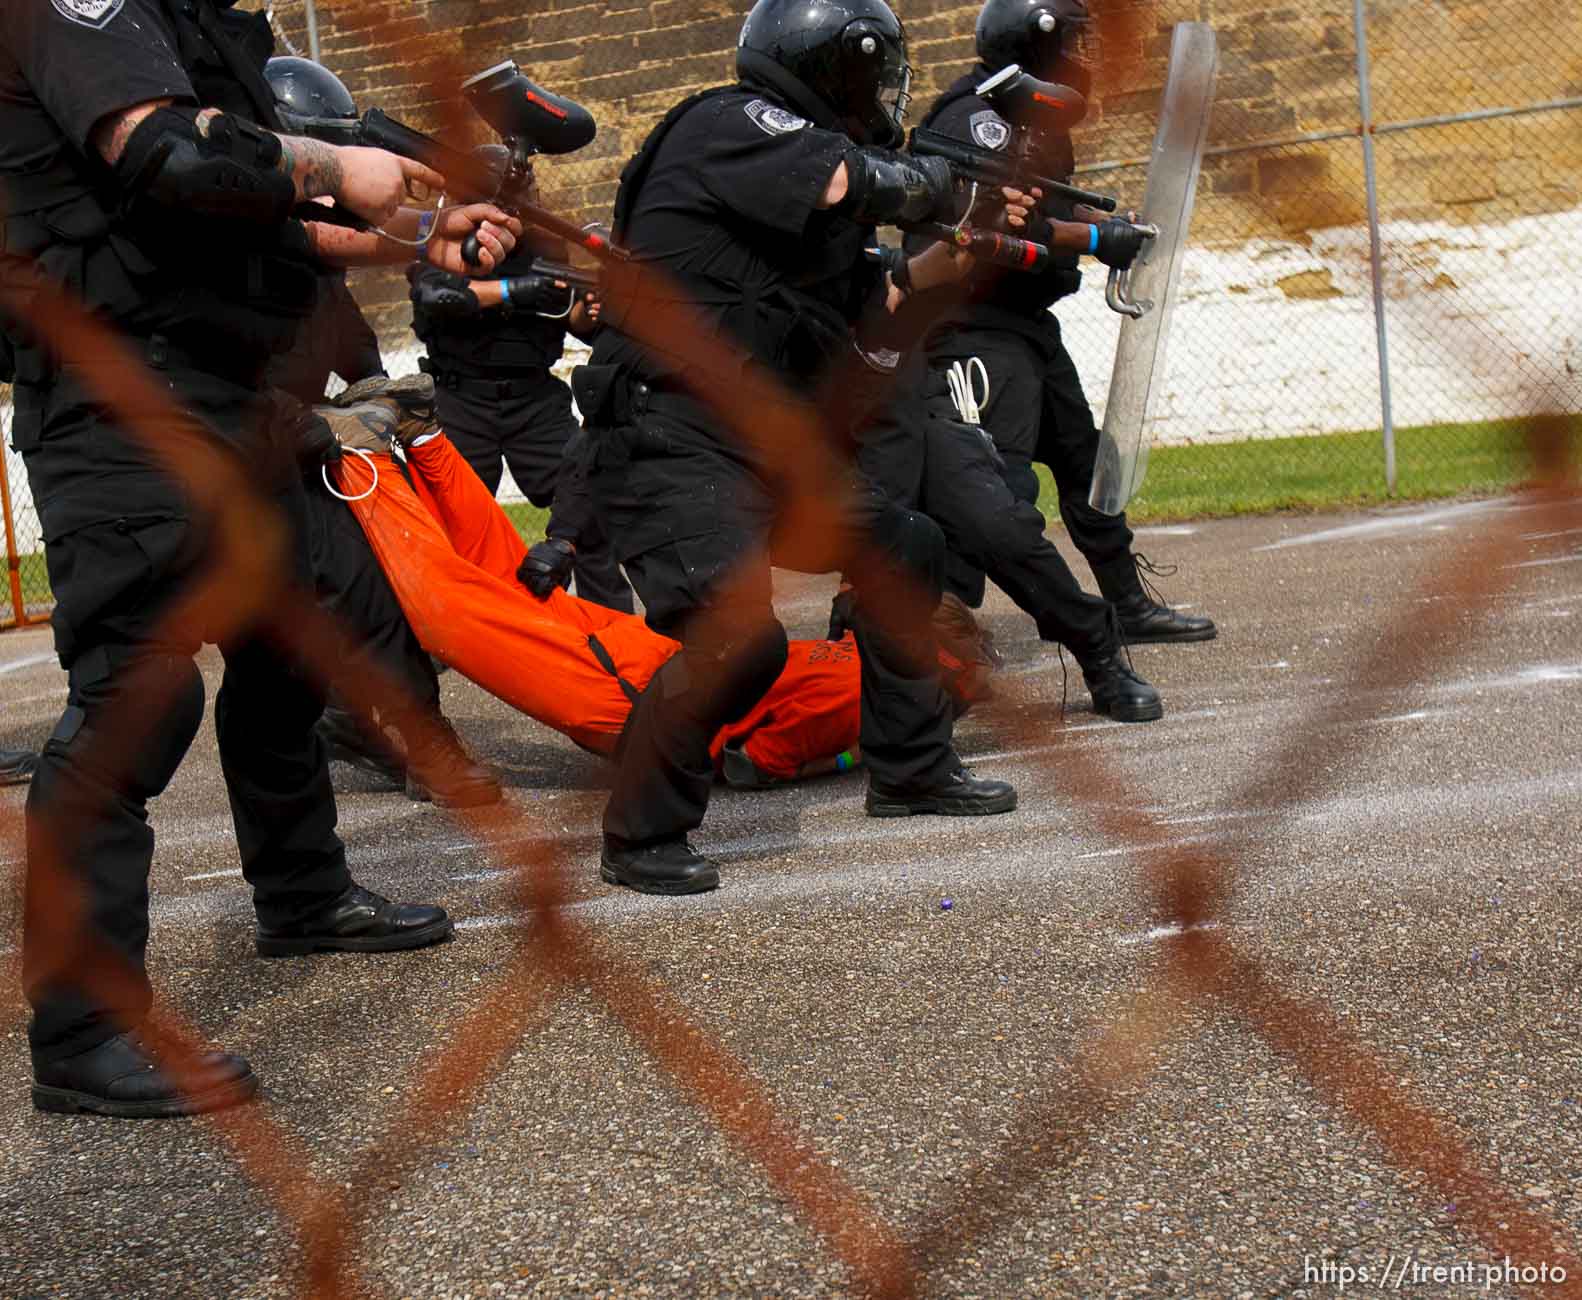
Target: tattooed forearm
{"x": 314, "y": 165}
{"x": 110, "y": 134}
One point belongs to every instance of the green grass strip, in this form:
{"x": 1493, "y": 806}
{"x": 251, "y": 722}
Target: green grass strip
{"x": 1214, "y": 480}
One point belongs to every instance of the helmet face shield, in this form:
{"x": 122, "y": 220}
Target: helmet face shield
{"x": 895, "y": 92}
{"x": 1076, "y": 40}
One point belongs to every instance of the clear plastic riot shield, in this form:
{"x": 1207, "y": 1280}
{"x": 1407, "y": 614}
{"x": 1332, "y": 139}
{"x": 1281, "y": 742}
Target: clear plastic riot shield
{"x": 1145, "y": 293}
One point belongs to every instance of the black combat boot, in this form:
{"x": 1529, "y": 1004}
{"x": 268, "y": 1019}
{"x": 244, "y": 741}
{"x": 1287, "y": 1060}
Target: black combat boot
{"x": 359, "y": 921}
{"x": 118, "y": 1078}
{"x": 1144, "y": 617}
{"x": 1117, "y": 689}
{"x": 960, "y": 794}
{"x": 668, "y": 867}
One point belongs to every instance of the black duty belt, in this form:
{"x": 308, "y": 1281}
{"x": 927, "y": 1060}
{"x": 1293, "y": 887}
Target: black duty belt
{"x": 160, "y": 352}
{"x": 521, "y": 383}
{"x": 643, "y": 396}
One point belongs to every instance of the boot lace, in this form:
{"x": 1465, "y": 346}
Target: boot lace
{"x": 1147, "y": 569}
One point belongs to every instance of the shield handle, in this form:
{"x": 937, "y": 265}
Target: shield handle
{"x": 1117, "y": 293}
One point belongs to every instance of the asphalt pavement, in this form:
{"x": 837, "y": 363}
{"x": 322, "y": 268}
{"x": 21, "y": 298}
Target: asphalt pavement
{"x": 906, "y": 990}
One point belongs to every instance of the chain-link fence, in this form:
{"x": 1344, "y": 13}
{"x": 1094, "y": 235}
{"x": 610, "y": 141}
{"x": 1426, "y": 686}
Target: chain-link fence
{"x": 1391, "y": 190}
{"x": 1192, "y": 883}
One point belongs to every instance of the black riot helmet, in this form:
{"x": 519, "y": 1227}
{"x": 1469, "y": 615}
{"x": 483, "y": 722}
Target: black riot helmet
{"x": 840, "y": 62}
{"x": 308, "y": 91}
{"x": 1044, "y": 36}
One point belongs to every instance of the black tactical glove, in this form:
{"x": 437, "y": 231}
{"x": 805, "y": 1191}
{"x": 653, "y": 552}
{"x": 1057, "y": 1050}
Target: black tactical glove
{"x": 441, "y": 293}
{"x": 1119, "y": 242}
{"x": 547, "y": 566}
{"x": 539, "y": 293}
{"x": 884, "y": 187}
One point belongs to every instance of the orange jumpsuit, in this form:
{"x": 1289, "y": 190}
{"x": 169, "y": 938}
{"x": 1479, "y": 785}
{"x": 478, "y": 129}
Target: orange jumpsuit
{"x": 451, "y": 555}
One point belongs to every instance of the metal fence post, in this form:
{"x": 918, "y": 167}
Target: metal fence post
{"x": 13, "y": 560}
{"x": 1375, "y": 255}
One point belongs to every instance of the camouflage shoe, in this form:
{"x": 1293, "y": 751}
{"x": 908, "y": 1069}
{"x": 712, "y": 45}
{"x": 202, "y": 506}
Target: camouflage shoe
{"x": 410, "y": 398}
{"x": 365, "y": 426}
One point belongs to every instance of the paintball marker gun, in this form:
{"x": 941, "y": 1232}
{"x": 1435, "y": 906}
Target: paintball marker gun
{"x": 1035, "y": 108}
{"x": 530, "y": 121}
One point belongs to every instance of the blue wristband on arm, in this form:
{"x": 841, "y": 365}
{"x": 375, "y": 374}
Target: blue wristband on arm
{"x": 505, "y": 291}
{"x": 1093, "y": 239}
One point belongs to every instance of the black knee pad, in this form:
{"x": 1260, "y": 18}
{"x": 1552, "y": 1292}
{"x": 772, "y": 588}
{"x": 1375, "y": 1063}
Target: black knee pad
{"x": 1022, "y": 478}
{"x": 913, "y": 545}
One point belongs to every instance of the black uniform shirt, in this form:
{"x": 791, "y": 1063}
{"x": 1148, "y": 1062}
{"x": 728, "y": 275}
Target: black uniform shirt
{"x": 729, "y": 213}
{"x": 66, "y": 64}
{"x": 973, "y": 120}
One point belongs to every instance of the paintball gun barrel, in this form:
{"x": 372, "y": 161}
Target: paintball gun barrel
{"x": 574, "y": 276}
{"x": 986, "y": 245}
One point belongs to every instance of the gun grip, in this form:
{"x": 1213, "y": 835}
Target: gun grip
{"x": 472, "y": 251}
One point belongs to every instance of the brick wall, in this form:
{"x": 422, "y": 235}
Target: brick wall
{"x": 1287, "y": 68}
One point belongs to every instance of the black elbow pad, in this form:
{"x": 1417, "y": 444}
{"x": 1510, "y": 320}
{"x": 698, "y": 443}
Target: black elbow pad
{"x": 884, "y": 187}
{"x": 218, "y": 165}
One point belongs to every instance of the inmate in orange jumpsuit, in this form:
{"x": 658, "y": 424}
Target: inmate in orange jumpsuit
{"x": 451, "y": 555}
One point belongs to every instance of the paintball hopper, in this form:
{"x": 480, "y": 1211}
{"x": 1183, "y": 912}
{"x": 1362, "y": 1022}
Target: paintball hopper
{"x": 1025, "y": 101}
{"x": 520, "y": 110}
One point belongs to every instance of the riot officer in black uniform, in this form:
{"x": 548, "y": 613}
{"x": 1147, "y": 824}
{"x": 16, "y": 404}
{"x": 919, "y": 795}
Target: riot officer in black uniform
{"x": 491, "y": 344}
{"x": 145, "y": 178}
{"x": 337, "y": 339}
{"x": 1037, "y": 410}
{"x": 750, "y": 206}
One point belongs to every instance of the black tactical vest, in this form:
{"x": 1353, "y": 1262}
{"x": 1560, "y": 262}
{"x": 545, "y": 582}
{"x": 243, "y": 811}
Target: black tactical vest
{"x": 795, "y": 330}
{"x": 501, "y": 342}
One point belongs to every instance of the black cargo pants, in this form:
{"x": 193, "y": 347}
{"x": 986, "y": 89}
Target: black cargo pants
{"x": 353, "y": 588}
{"x": 921, "y": 454}
{"x": 114, "y": 581}
{"x": 695, "y": 525}
{"x": 1038, "y": 413}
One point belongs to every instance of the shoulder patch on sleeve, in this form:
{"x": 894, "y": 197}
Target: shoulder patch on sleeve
{"x": 770, "y": 119}
{"x": 990, "y": 130}
{"x": 89, "y": 13}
